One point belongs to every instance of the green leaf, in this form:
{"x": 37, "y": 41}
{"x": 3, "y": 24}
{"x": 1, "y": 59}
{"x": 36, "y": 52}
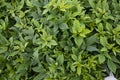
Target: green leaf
{"x": 63, "y": 26}
{"x": 100, "y": 27}
{"x": 84, "y": 32}
{"x": 39, "y": 69}
{"x": 29, "y": 31}
{"x": 50, "y": 60}
{"x": 40, "y": 76}
{"x": 109, "y": 27}
{"x": 111, "y": 65}
{"x": 92, "y": 48}
{"x": 92, "y": 40}
{"x": 78, "y": 70}
{"x": 14, "y": 53}
{"x": 78, "y": 40}
{"x": 60, "y": 59}
{"x": 103, "y": 41}
{"x": 101, "y": 58}
{"x": 28, "y": 3}
{"x": 3, "y": 40}
{"x": 3, "y": 49}
{"x": 74, "y": 57}
{"x": 114, "y": 59}
{"x": 51, "y": 43}
{"x": 92, "y": 4}
{"x": 107, "y": 55}
{"x": 45, "y": 11}
{"x": 76, "y": 28}
{"x": 35, "y": 3}
{"x": 36, "y": 55}
{"x": 21, "y": 4}
{"x": 105, "y": 5}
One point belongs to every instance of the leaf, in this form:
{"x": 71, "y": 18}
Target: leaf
{"x": 40, "y": 76}
{"x": 107, "y": 55}
{"x": 116, "y": 29}
{"x": 3, "y": 49}
{"x": 111, "y": 65}
{"x": 35, "y": 3}
{"x": 92, "y": 4}
{"x": 29, "y": 31}
{"x": 114, "y": 59}
{"x": 36, "y": 55}
{"x": 20, "y": 6}
{"x": 51, "y": 43}
{"x": 105, "y": 5}
{"x": 3, "y": 40}
{"x": 28, "y": 3}
{"x": 14, "y": 53}
{"x": 100, "y": 27}
{"x": 78, "y": 40}
{"x": 63, "y": 26}
{"x": 92, "y": 40}
{"x": 92, "y": 48}
{"x": 39, "y": 69}
{"x": 76, "y": 27}
{"x": 117, "y": 41}
{"x": 74, "y": 50}
{"x": 97, "y": 20}
{"x": 60, "y": 59}
{"x": 109, "y": 27}
{"x": 101, "y": 58}
{"x": 74, "y": 57}
{"x": 50, "y": 60}
{"x": 36, "y": 23}
{"x": 78, "y": 70}
{"x": 103, "y": 41}
{"x": 45, "y": 11}
{"x": 84, "y": 32}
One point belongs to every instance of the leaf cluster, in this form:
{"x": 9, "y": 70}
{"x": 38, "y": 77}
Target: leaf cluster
{"x": 59, "y": 39}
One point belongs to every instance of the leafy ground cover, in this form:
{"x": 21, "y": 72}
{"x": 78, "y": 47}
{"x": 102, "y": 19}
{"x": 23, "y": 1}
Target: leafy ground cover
{"x": 59, "y": 39}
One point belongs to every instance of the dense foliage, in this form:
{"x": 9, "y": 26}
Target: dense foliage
{"x": 59, "y": 39}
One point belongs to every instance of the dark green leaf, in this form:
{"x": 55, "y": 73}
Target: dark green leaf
{"x": 111, "y": 66}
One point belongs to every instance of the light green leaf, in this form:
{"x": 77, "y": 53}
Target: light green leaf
{"x": 92, "y": 4}
{"x": 51, "y": 43}
{"x": 84, "y": 32}
{"x": 101, "y": 58}
{"x": 78, "y": 70}
{"x": 109, "y": 27}
{"x": 100, "y": 27}
{"x": 74, "y": 57}
{"x": 20, "y": 6}
{"x": 103, "y": 41}
{"x": 28, "y": 3}
{"x": 60, "y": 59}
{"x": 76, "y": 28}
{"x": 78, "y": 40}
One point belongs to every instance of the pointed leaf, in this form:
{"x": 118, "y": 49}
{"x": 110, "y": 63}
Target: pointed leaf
{"x": 111, "y": 66}
{"x": 101, "y": 58}
{"x": 78, "y": 40}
